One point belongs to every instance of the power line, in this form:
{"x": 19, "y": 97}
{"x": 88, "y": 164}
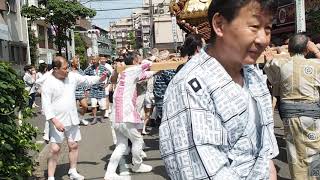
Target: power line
{"x": 105, "y": 18}
{"x": 117, "y": 9}
{"x": 87, "y": 1}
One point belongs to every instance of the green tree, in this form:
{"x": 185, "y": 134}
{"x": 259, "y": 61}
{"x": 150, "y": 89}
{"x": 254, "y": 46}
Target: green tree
{"x": 314, "y": 16}
{"x": 60, "y": 14}
{"x": 132, "y": 40}
{"x": 16, "y": 139}
{"x": 113, "y": 46}
{"x": 33, "y": 40}
{"x": 81, "y": 50}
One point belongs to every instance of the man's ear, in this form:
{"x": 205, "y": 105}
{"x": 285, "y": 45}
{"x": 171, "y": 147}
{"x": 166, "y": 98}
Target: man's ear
{"x": 218, "y": 22}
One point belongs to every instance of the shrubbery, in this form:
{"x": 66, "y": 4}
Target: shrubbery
{"x": 16, "y": 141}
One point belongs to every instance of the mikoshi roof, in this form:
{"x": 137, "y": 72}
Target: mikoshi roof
{"x": 192, "y": 16}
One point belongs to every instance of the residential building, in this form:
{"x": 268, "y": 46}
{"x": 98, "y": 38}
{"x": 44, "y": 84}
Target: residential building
{"x": 13, "y": 33}
{"x": 119, "y": 32}
{"x": 165, "y": 33}
{"x": 141, "y": 21}
{"x": 44, "y": 33}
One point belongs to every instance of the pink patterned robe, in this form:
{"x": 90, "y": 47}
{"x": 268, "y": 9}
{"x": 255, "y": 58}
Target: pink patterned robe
{"x": 125, "y": 94}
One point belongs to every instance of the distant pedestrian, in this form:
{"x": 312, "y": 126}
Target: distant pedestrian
{"x": 29, "y": 78}
{"x": 59, "y": 105}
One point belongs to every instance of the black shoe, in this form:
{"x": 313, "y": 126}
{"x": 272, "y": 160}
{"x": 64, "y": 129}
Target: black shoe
{"x": 152, "y": 123}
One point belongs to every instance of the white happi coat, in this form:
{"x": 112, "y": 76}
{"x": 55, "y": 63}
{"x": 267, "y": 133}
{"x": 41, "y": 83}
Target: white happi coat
{"x": 205, "y": 119}
{"x": 58, "y": 97}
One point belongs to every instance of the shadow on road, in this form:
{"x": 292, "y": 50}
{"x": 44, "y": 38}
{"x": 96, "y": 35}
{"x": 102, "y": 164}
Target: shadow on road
{"x": 161, "y": 171}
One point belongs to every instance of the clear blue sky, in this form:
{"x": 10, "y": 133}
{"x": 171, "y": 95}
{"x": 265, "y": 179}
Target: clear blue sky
{"x": 101, "y": 19}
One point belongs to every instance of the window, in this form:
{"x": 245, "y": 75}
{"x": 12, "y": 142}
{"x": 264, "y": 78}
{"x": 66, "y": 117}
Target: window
{"x": 50, "y": 38}
{"x": 41, "y": 36}
{"x": 24, "y": 55}
{"x": 1, "y": 46}
{"x": 11, "y": 53}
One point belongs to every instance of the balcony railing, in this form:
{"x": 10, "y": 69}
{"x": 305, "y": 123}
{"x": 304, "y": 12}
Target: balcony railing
{"x": 145, "y": 30}
{"x": 104, "y": 51}
{"x": 104, "y": 40}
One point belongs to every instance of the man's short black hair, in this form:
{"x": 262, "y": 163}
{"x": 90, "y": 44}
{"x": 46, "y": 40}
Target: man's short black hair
{"x": 27, "y": 67}
{"x": 298, "y": 44}
{"x": 129, "y": 57}
{"x": 229, "y": 9}
{"x": 190, "y": 45}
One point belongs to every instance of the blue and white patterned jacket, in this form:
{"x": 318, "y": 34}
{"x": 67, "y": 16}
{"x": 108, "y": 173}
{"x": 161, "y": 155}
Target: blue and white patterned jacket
{"x": 97, "y": 90}
{"x": 202, "y": 133}
{"x": 81, "y": 88}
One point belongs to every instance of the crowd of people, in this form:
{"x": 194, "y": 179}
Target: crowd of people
{"x": 214, "y": 112}
{"x": 129, "y": 99}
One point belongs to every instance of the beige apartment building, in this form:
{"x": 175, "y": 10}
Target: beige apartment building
{"x": 165, "y": 32}
{"x": 152, "y": 26}
{"x": 119, "y": 32}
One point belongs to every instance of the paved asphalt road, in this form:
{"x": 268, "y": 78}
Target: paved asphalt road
{"x": 96, "y": 148}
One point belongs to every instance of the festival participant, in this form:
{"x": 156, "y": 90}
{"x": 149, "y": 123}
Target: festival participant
{"x": 97, "y": 92}
{"x": 217, "y": 115}
{"x": 59, "y": 106}
{"x": 80, "y": 92}
{"x": 126, "y": 119}
{"x": 298, "y": 82}
{"x": 108, "y": 86}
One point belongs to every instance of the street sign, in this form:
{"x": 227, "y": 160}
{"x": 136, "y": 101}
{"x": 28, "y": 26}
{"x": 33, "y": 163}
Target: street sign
{"x": 300, "y": 16}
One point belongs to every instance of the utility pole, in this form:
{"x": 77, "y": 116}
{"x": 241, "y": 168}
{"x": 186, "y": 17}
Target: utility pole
{"x": 174, "y": 31}
{"x": 68, "y": 47}
{"x": 151, "y": 25}
{"x": 73, "y": 52}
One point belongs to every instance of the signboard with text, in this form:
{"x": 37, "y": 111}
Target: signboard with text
{"x": 286, "y": 14}
{"x": 300, "y": 16}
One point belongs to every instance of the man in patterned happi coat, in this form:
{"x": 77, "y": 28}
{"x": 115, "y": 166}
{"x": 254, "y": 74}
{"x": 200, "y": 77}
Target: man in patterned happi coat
{"x": 217, "y": 120}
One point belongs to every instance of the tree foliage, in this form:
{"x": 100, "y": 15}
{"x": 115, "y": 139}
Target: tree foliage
{"x": 60, "y": 14}
{"x": 33, "y": 40}
{"x": 315, "y": 21}
{"x": 132, "y": 40}
{"x": 81, "y": 50}
{"x": 16, "y": 141}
